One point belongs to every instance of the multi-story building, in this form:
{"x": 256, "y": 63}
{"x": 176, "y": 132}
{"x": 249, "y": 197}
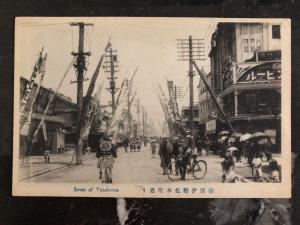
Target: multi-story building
{"x": 185, "y": 115}
{"x": 207, "y": 109}
{"x": 246, "y": 75}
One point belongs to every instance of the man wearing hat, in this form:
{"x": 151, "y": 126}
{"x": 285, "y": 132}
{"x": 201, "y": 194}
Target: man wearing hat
{"x": 165, "y": 155}
{"x": 184, "y": 160}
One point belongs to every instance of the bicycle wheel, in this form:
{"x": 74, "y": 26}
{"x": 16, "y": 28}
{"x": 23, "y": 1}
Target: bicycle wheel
{"x": 171, "y": 172}
{"x": 199, "y": 169}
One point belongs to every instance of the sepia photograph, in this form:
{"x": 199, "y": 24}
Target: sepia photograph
{"x": 152, "y": 107}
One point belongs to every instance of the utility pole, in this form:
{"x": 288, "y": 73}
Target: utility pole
{"x": 191, "y": 84}
{"x": 111, "y": 67}
{"x": 144, "y": 121}
{"x": 138, "y": 107}
{"x": 128, "y": 106}
{"x": 214, "y": 98}
{"x": 80, "y": 68}
{"x": 189, "y": 50}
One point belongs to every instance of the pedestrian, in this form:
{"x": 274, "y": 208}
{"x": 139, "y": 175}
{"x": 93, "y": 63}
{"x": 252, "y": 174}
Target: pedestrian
{"x": 131, "y": 144}
{"x": 164, "y": 155}
{"x": 239, "y": 152}
{"x": 254, "y": 149}
{"x": 246, "y": 146}
{"x": 233, "y": 142}
{"x": 229, "y": 176}
{"x": 125, "y": 144}
{"x": 223, "y": 145}
{"x": 105, "y": 154}
{"x": 214, "y": 146}
{"x": 274, "y": 175}
{"x": 145, "y": 140}
{"x": 138, "y": 144}
{"x": 46, "y": 155}
{"x": 257, "y": 167}
{"x": 88, "y": 150}
{"x": 114, "y": 149}
{"x": 199, "y": 144}
{"x": 206, "y": 144}
{"x": 175, "y": 154}
{"x": 183, "y": 158}
{"x": 267, "y": 148}
{"x": 153, "y": 147}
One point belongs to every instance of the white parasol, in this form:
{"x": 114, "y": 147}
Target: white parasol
{"x": 245, "y": 137}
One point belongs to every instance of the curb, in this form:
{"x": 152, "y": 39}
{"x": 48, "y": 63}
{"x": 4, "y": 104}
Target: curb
{"x": 52, "y": 170}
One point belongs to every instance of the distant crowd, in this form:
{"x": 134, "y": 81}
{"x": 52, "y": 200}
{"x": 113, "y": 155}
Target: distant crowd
{"x": 252, "y": 149}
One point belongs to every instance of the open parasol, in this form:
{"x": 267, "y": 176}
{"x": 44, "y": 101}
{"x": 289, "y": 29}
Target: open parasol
{"x": 245, "y": 137}
{"x": 232, "y": 149}
{"x": 232, "y": 140}
{"x": 237, "y": 135}
{"x": 222, "y": 139}
{"x": 259, "y": 135}
{"x": 223, "y": 133}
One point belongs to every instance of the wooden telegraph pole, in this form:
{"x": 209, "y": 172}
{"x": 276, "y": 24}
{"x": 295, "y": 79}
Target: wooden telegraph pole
{"x": 214, "y": 98}
{"x": 138, "y": 108}
{"x": 190, "y": 50}
{"x": 80, "y": 68}
{"x": 111, "y": 67}
{"x": 130, "y": 99}
{"x": 191, "y": 84}
{"x": 144, "y": 112}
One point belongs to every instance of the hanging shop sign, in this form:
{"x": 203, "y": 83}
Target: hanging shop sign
{"x": 227, "y": 79}
{"x": 228, "y": 73}
{"x": 269, "y": 55}
{"x": 210, "y": 126}
{"x": 264, "y": 56}
{"x": 265, "y": 72}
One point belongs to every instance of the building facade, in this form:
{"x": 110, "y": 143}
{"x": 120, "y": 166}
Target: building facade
{"x": 185, "y": 115}
{"x": 246, "y": 75}
{"x": 207, "y": 109}
{"x": 60, "y": 121}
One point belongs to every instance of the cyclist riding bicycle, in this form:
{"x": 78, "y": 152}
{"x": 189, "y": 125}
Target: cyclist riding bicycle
{"x": 105, "y": 154}
{"x": 185, "y": 161}
{"x": 184, "y": 158}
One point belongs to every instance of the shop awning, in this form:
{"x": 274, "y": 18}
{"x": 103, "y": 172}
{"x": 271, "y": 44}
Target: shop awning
{"x": 251, "y": 86}
{"x": 254, "y": 117}
{"x": 53, "y": 119}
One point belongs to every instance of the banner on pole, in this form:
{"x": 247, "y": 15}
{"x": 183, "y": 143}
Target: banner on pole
{"x": 44, "y": 131}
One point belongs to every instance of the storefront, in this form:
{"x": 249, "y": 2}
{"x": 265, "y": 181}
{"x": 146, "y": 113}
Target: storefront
{"x": 51, "y": 136}
{"x": 252, "y": 95}
{"x": 59, "y": 122}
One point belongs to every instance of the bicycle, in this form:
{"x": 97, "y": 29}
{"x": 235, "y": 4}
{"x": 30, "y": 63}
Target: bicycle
{"x": 197, "y": 168}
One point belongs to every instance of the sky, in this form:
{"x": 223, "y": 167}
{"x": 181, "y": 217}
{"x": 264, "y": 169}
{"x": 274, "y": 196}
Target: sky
{"x": 147, "y": 43}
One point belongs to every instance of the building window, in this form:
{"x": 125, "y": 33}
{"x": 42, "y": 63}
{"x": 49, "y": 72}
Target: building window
{"x": 258, "y": 44}
{"x": 276, "y": 31}
{"x": 252, "y": 45}
{"x": 251, "y": 102}
{"x": 246, "y": 45}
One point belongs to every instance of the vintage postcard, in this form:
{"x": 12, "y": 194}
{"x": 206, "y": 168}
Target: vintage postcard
{"x": 152, "y": 107}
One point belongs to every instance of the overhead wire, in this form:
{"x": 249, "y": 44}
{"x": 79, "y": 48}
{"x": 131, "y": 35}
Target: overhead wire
{"x": 187, "y": 87}
{"x": 43, "y": 25}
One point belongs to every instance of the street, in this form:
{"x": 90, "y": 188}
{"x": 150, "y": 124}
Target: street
{"x": 131, "y": 167}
